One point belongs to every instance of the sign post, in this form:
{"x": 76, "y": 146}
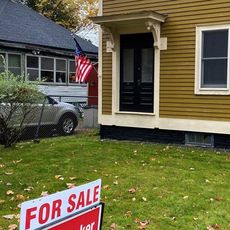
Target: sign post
{"x": 72, "y": 207}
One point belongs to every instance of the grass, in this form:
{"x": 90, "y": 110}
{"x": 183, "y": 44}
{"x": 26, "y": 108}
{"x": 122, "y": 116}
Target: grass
{"x": 174, "y": 187}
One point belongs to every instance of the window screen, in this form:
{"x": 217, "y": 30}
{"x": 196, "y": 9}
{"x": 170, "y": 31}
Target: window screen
{"x": 214, "y": 59}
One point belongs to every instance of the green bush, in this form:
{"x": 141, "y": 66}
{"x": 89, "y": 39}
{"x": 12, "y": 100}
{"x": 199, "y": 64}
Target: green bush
{"x": 16, "y": 106}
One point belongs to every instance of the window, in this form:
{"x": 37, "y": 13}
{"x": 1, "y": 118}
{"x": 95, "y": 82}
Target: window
{"x": 46, "y": 69}
{"x": 199, "y": 139}
{"x": 60, "y": 71}
{"x": 33, "y": 68}
{"x": 12, "y": 63}
{"x": 212, "y": 64}
{"x": 2, "y": 57}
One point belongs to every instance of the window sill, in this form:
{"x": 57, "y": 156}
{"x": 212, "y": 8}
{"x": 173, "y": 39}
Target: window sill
{"x": 212, "y": 92}
{"x": 135, "y": 113}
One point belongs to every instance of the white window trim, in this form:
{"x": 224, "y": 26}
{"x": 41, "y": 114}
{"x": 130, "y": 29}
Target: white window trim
{"x": 209, "y": 91}
{"x": 7, "y": 59}
{"x": 54, "y": 71}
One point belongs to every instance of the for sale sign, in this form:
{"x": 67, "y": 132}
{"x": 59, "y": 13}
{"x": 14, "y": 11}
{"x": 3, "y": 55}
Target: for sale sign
{"x": 88, "y": 220}
{"x": 46, "y": 210}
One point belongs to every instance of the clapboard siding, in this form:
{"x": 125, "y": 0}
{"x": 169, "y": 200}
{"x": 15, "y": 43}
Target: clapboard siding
{"x": 106, "y": 79}
{"x": 177, "y": 64}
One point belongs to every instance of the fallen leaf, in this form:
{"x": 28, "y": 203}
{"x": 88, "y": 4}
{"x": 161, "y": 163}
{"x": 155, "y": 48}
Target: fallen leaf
{"x": 44, "y": 193}
{"x": 12, "y": 227}
{"x": 2, "y": 202}
{"x": 133, "y": 199}
{"x": 73, "y": 178}
{"x": 28, "y": 189}
{"x": 106, "y": 187}
{"x": 8, "y": 173}
{"x": 17, "y": 161}
{"x": 128, "y": 214}
{"x": 70, "y": 185}
{"x": 112, "y": 226}
{"x": 1, "y": 228}
{"x": 115, "y": 182}
{"x": 2, "y": 165}
{"x": 143, "y": 224}
{"x": 185, "y": 197}
{"x": 9, "y": 217}
{"x": 144, "y": 199}
{"x": 9, "y": 192}
{"x": 59, "y": 177}
{"x": 213, "y": 227}
{"x": 218, "y": 198}
{"x": 20, "y": 197}
{"x": 132, "y": 190}
{"x": 8, "y": 184}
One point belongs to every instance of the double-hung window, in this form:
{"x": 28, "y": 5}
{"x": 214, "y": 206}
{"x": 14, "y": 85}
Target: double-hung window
{"x": 212, "y": 60}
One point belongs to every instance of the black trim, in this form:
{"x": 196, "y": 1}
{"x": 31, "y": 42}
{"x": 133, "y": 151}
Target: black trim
{"x": 157, "y": 136}
{"x": 141, "y": 134}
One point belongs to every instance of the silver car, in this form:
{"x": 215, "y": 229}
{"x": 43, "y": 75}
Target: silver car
{"x": 63, "y": 116}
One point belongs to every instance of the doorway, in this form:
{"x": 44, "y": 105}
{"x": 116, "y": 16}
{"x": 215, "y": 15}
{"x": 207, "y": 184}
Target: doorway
{"x": 137, "y": 73}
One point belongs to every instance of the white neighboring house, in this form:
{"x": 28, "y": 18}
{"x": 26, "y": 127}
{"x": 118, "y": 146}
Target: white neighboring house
{"x": 37, "y": 46}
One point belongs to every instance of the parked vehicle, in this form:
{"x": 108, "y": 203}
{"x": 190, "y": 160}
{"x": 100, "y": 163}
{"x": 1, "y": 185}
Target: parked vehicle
{"x": 63, "y": 116}
{"x": 47, "y": 114}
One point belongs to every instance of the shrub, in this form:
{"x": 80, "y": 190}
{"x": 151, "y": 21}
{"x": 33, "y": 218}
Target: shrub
{"x": 17, "y": 98}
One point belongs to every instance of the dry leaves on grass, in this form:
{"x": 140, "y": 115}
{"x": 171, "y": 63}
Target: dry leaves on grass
{"x": 28, "y": 189}
{"x": 115, "y": 182}
{"x": 213, "y": 227}
{"x": 132, "y": 190}
{"x": 59, "y": 177}
{"x": 20, "y": 197}
{"x": 44, "y": 193}
{"x": 143, "y": 224}
{"x": 112, "y": 226}
{"x": 73, "y": 178}
{"x": 70, "y": 185}
{"x": 12, "y": 227}
{"x": 106, "y": 187}
{"x": 9, "y": 192}
{"x": 17, "y": 161}
{"x": 2, "y": 202}
{"x": 9, "y": 217}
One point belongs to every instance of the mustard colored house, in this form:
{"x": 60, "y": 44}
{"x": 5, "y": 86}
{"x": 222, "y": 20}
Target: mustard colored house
{"x": 164, "y": 71}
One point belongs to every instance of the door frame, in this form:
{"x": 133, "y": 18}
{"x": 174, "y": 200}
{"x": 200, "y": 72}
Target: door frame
{"x": 116, "y": 73}
{"x": 134, "y": 42}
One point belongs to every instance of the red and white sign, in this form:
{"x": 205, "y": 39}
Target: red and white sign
{"x": 89, "y": 220}
{"x": 43, "y": 211}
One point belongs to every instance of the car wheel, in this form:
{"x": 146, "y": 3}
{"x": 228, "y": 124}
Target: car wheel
{"x": 67, "y": 124}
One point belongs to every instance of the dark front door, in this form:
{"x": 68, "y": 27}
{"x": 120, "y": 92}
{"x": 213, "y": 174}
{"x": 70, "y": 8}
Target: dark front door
{"x": 137, "y": 71}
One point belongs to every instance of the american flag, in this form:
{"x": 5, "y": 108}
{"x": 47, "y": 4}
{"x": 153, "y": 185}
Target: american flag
{"x": 83, "y": 65}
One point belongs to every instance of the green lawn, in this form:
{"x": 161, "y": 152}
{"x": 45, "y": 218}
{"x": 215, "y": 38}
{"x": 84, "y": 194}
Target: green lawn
{"x": 171, "y": 187}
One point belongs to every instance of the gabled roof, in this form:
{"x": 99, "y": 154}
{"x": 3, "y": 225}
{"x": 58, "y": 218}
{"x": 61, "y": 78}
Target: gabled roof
{"x": 20, "y": 24}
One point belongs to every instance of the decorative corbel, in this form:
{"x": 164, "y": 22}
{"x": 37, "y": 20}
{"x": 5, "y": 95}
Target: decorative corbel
{"x": 154, "y": 27}
{"x": 110, "y": 45}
